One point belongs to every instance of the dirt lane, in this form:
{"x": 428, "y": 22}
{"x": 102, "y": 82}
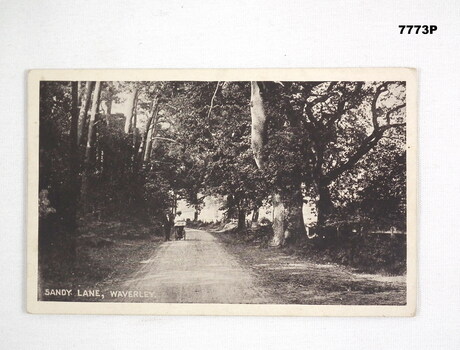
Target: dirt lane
{"x": 297, "y": 280}
{"x": 198, "y": 270}
{"x": 209, "y": 268}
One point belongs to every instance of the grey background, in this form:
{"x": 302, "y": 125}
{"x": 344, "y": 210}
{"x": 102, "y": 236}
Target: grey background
{"x": 239, "y": 34}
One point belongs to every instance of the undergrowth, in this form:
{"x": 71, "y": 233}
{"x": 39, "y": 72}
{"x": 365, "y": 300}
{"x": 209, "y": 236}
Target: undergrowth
{"x": 370, "y": 253}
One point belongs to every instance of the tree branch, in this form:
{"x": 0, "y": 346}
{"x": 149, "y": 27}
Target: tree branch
{"x": 212, "y": 99}
{"x": 389, "y": 126}
{"x": 164, "y": 138}
{"x": 380, "y": 89}
{"x": 391, "y": 111}
{"x": 369, "y": 143}
{"x": 365, "y": 147}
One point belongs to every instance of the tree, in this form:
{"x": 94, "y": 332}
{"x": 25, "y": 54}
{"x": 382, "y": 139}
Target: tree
{"x": 346, "y": 120}
{"x": 151, "y": 105}
{"x": 252, "y": 143}
{"x": 92, "y": 121}
{"x": 89, "y": 151}
{"x": 59, "y": 166}
{"x": 73, "y": 186}
{"x": 213, "y": 127}
{"x": 271, "y": 110}
{"x": 130, "y": 123}
{"x": 374, "y": 191}
{"x": 325, "y": 129}
{"x": 85, "y": 103}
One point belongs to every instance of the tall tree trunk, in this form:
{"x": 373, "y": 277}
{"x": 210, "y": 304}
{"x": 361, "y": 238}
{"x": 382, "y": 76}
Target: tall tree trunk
{"x": 73, "y": 190}
{"x": 258, "y": 124}
{"x": 131, "y": 107}
{"x": 79, "y": 93}
{"x": 147, "y": 137}
{"x": 151, "y": 139}
{"x": 295, "y": 225}
{"x": 134, "y": 123}
{"x": 92, "y": 121}
{"x": 288, "y": 223}
{"x": 147, "y": 145}
{"x": 84, "y": 111}
{"x": 278, "y": 220}
{"x": 89, "y": 147}
{"x": 108, "y": 110}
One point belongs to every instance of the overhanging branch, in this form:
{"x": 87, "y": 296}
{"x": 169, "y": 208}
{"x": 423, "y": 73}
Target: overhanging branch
{"x": 164, "y": 138}
{"x": 369, "y": 143}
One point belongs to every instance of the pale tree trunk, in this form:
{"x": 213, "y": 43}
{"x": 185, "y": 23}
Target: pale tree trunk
{"x": 109, "y": 106}
{"x": 131, "y": 107}
{"x": 147, "y": 137}
{"x": 287, "y": 202}
{"x": 89, "y": 146}
{"x": 288, "y": 223}
{"x": 258, "y": 124}
{"x": 134, "y": 123}
{"x": 108, "y": 111}
{"x": 92, "y": 121}
{"x": 79, "y": 92}
{"x": 84, "y": 111}
{"x": 278, "y": 221}
{"x": 135, "y": 160}
{"x": 151, "y": 137}
{"x": 147, "y": 145}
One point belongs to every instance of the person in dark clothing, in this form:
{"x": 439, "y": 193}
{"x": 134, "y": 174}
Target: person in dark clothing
{"x": 168, "y": 225}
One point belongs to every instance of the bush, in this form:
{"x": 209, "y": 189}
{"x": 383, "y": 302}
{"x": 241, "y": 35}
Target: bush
{"x": 367, "y": 253}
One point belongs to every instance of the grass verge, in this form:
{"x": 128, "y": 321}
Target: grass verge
{"x": 107, "y": 253}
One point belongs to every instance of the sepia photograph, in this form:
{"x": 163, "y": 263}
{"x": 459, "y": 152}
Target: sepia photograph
{"x": 250, "y": 192}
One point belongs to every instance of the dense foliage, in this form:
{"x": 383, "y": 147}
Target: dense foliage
{"x": 130, "y": 150}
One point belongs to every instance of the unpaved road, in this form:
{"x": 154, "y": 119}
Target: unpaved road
{"x": 197, "y": 270}
{"x": 294, "y": 279}
{"x": 206, "y": 269}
